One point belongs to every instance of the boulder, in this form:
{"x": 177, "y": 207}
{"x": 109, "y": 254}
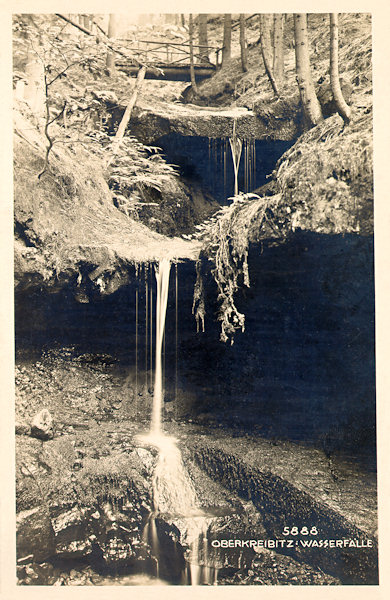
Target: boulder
{"x": 325, "y": 95}
{"x": 22, "y": 428}
{"x": 42, "y": 425}
{"x": 70, "y": 525}
{"x": 34, "y": 534}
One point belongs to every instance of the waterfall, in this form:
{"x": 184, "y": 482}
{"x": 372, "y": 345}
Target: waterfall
{"x": 174, "y": 496}
{"x": 146, "y": 327}
{"x": 236, "y": 148}
{"x": 173, "y": 492}
{"x": 136, "y": 351}
{"x": 162, "y": 278}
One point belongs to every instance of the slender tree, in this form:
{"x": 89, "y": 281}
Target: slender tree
{"x": 342, "y": 107}
{"x": 86, "y": 21}
{"x": 278, "y": 66}
{"x": 203, "y": 38}
{"x": 191, "y": 42}
{"x": 34, "y": 91}
{"x": 310, "y": 104}
{"x": 266, "y": 23}
{"x": 127, "y": 114}
{"x": 244, "y": 52}
{"x": 227, "y": 39}
{"x": 266, "y": 49}
{"x": 112, "y": 29}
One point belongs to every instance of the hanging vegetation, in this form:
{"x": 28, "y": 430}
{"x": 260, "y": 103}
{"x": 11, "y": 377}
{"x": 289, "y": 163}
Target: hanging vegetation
{"x": 226, "y": 243}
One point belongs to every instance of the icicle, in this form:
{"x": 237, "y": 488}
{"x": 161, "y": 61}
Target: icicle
{"x": 146, "y": 326}
{"x": 163, "y": 362}
{"x": 208, "y": 160}
{"x": 245, "y": 165}
{"x": 150, "y": 537}
{"x": 248, "y": 149}
{"x": 224, "y": 167}
{"x": 151, "y": 335}
{"x": 198, "y": 304}
{"x": 215, "y": 163}
{"x": 236, "y": 148}
{"x": 254, "y": 163}
{"x": 195, "y": 569}
{"x": 249, "y": 166}
{"x": 136, "y": 350}
{"x": 176, "y": 333}
{"x": 220, "y": 166}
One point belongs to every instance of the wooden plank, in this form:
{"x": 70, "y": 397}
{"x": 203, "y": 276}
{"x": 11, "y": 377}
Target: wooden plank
{"x": 170, "y": 73}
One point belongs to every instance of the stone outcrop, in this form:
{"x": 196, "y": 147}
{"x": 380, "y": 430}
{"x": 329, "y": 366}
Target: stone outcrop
{"x": 150, "y": 122}
{"x": 42, "y": 426}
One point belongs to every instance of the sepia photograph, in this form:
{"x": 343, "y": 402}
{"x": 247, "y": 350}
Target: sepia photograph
{"x": 194, "y": 299}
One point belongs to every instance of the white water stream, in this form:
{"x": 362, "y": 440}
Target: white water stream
{"x": 162, "y": 279}
{"x": 243, "y": 152}
{"x": 173, "y": 492}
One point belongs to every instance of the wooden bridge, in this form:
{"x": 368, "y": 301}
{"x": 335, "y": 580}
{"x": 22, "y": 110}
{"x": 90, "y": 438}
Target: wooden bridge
{"x": 169, "y": 60}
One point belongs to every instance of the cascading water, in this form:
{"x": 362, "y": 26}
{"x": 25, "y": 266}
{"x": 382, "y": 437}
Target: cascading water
{"x": 174, "y": 495}
{"x": 236, "y": 148}
{"x": 162, "y": 277}
{"x": 243, "y": 157}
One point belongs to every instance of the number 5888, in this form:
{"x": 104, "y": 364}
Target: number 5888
{"x": 302, "y": 531}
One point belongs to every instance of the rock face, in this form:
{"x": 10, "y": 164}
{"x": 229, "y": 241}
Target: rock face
{"x": 42, "y": 426}
{"x": 325, "y": 96}
{"x": 67, "y": 228}
{"x": 149, "y": 123}
{"x": 22, "y": 428}
{"x": 34, "y": 534}
{"x": 279, "y": 501}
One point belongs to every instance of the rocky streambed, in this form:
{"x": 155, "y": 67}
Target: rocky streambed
{"x": 85, "y": 494}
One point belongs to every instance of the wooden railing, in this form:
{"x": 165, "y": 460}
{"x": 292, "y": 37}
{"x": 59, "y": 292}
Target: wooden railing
{"x": 160, "y": 53}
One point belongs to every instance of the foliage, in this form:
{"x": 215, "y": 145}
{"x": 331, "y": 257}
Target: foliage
{"x": 77, "y": 110}
{"x": 323, "y": 182}
{"x": 326, "y": 177}
{"x": 198, "y": 304}
{"x": 226, "y": 243}
{"x": 139, "y": 168}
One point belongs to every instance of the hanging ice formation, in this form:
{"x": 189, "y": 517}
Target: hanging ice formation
{"x": 236, "y": 148}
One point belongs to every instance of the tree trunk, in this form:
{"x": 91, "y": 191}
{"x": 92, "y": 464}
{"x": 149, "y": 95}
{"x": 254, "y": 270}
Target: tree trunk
{"x": 278, "y": 66}
{"x": 34, "y": 91}
{"x": 203, "y": 38}
{"x": 183, "y": 20}
{"x": 127, "y": 114}
{"x": 227, "y": 39}
{"x": 342, "y": 107}
{"x": 266, "y": 49}
{"x": 86, "y": 22}
{"x": 244, "y": 53}
{"x": 311, "y": 106}
{"x": 191, "y": 42}
{"x": 266, "y": 23}
{"x": 110, "y": 60}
